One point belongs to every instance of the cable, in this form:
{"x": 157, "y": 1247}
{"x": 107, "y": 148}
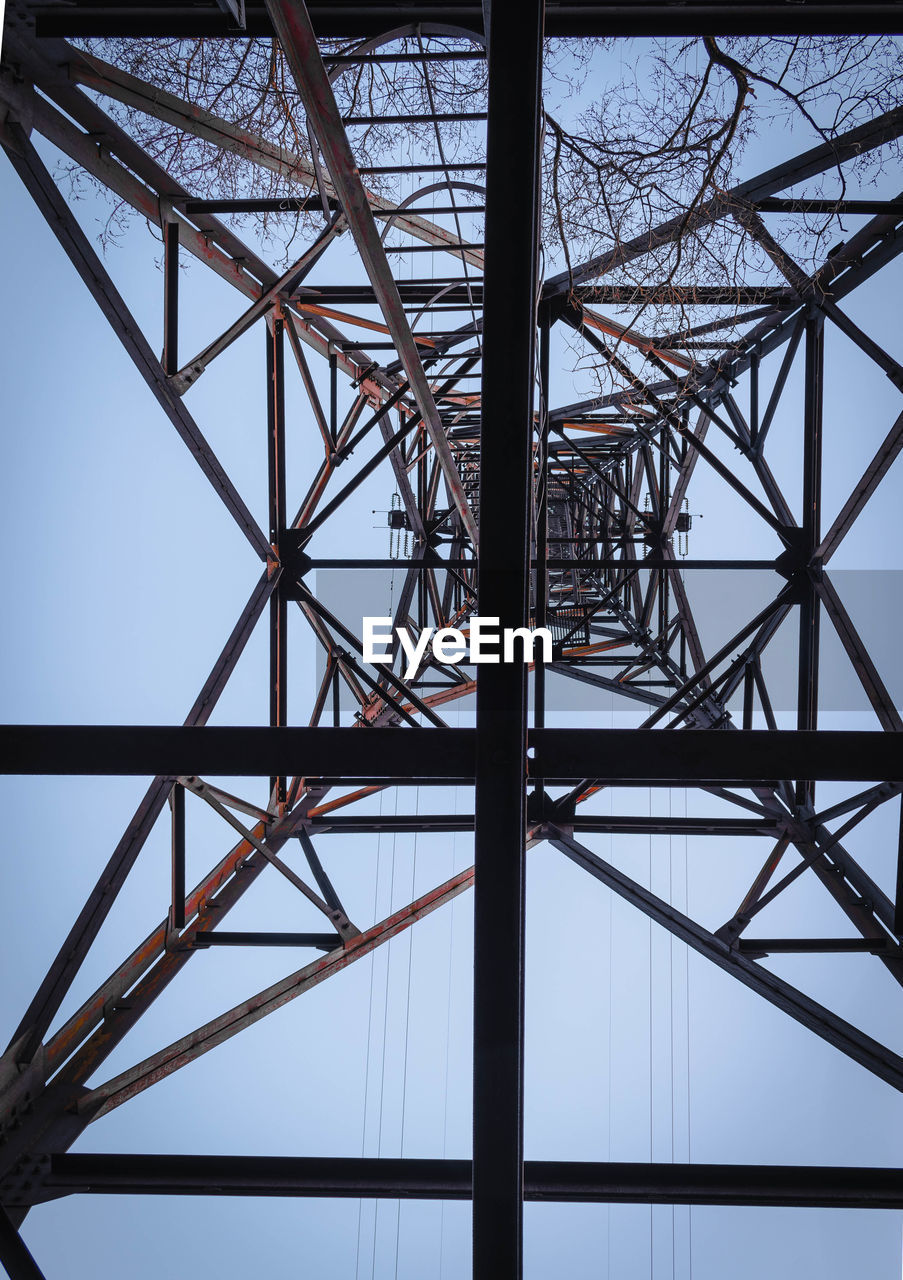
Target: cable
{"x": 671, "y": 1019}
{"x": 687, "y": 990}
{"x": 407, "y": 1023}
{"x": 448, "y": 1008}
{"x": 382, "y": 1077}
{"x": 611, "y": 723}
{"x": 687, "y": 1018}
{"x": 360, "y": 1208}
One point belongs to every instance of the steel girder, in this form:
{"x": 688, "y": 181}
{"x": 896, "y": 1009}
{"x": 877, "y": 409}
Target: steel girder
{"x": 623, "y": 756}
{"x": 544, "y": 1180}
{"x": 357, "y": 18}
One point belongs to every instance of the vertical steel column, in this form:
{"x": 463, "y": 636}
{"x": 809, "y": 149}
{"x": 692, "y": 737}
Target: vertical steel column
{"x": 276, "y": 478}
{"x": 898, "y": 896}
{"x": 541, "y": 576}
{"x": 749, "y": 685}
{"x": 177, "y": 908}
{"x": 333, "y": 397}
{"x": 512, "y": 180}
{"x": 754, "y": 399}
{"x": 423, "y": 503}
{"x": 807, "y": 700}
{"x": 170, "y": 298}
{"x": 664, "y": 501}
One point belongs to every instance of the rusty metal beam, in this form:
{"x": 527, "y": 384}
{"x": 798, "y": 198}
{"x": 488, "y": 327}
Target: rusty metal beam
{"x": 113, "y": 82}
{"x": 152, "y": 194}
{"x": 185, "y": 377}
{"x": 129, "y": 1083}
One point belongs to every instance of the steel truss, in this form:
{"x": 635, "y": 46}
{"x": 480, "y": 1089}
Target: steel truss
{"x": 572, "y": 546}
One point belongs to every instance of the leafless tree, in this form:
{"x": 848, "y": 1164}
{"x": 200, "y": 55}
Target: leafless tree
{"x": 666, "y": 126}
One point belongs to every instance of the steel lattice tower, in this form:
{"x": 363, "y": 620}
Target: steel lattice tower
{"x": 564, "y": 517}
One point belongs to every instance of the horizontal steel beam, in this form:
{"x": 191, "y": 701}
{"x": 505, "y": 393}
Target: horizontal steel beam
{"x": 691, "y": 755}
{"x": 359, "y": 18}
{"x": 237, "y": 751}
{"x": 344, "y": 824}
{"x": 686, "y": 295}
{"x": 552, "y": 562}
{"x": 576, "y": 1181}
{"x": 275, "y": 204}
{"x": 870, "y": 207}
{"x": 416, "y": 118}
{"x": 805, "y": 946}
{"x": 308, "y": 204}
{"x": 625, "y": 756}
{"x": 321, "y": 941}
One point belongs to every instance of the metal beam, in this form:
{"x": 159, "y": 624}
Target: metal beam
{"x": 188, "y": 117}
{"x": 844, "y": 207}
{"x": 898, "y": 895}
{"x": 506, "y": 464}
{"x": 170, "y": 359}
{"x": 875, "y": 1057}
{"x": 52, "y": 1122}
{"x": 638, "y": 18}
{"x": 275, "y": 441}
{"x": 177, "y": 894}
{"x": 267, "y": 301}
{"x": 875, "y": 689}
{"x": 191, "y": 1047}
{"x": 687, "y": 758}
{"x": 810, "y": 946}
{"x": 810, "y": 613}
{"x": 217, "y": 938}
{"x": 367, "y": 824}
{"x": 871, "y": 478}
{"x": 429, "y": 1179}
{"x": 210, "y": 241}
